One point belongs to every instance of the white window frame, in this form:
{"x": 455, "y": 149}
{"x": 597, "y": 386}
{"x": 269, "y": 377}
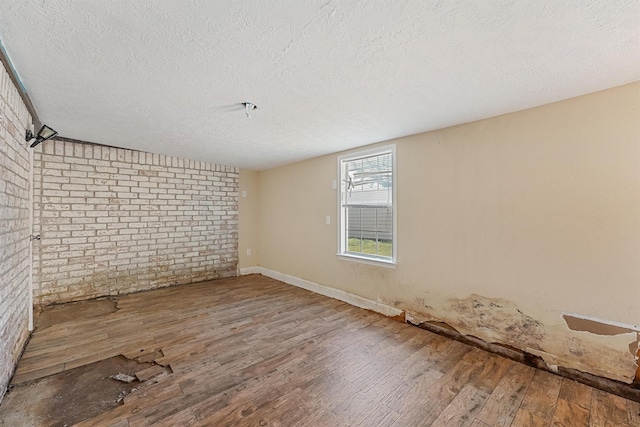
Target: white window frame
{"x": 343, "y": 254}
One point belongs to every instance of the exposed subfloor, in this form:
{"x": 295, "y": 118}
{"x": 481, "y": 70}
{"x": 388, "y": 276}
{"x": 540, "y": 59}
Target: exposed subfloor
{"x": 255, "y": 351}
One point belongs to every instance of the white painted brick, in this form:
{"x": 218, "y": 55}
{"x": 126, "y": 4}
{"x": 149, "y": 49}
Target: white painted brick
{"x": 71, "y": 187}
{"x": 14, "y": 228}
{"x": 114, "y": 197}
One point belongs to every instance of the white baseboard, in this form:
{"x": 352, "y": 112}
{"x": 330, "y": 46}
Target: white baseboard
{"x": 349, "y": 298}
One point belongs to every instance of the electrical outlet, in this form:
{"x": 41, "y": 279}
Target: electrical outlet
{"x": 244, "y": 193}
{"x": 248, "y": 252}
{"x": 328, "y": 220}
{"x": 334, "y": 184}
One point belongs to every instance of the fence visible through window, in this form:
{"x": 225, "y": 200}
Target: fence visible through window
{"x": 367, "y": 205}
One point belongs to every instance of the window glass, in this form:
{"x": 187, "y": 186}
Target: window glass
{"x": 367, "y": 212}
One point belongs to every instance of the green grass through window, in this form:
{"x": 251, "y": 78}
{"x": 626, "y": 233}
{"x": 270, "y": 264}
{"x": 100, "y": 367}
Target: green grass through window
{"x": 385, "y": 247}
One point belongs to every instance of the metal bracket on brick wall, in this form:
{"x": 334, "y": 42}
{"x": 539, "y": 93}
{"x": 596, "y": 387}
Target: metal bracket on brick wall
{"x": 34, "y": 237}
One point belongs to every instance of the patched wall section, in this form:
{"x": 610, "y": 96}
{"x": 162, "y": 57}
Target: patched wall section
{"x": 14, "y": 227}
{"x": 116, "y": 221}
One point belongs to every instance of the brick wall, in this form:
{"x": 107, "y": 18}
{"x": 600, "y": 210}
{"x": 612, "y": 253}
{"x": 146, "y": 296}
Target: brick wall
{"x": 117, "y": 221}
{"x": 14, "y": 227}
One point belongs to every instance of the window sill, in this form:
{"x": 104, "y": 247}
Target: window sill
{"x": 365, "y": 260}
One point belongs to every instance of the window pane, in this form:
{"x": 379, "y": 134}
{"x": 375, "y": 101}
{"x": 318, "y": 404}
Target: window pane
{"x": 370, "y": 180}
{"x": 367, "y": 215}
{"x": 370, "y": 230}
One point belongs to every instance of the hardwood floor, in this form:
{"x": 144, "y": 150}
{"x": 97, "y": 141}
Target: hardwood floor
{"x": 252, "y": 351}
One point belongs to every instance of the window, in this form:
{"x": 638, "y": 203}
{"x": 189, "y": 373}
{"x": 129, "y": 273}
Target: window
{"x": 367, "y": 205}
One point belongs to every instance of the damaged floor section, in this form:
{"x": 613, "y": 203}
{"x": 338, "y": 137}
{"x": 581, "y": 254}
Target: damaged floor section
{"x": 61, "y": 313}
{"x": 75, "y": 395}
{"x": 255, "y": 351}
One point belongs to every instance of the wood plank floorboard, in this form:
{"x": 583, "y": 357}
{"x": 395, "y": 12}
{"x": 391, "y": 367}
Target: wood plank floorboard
{"x": 253, "y": 351}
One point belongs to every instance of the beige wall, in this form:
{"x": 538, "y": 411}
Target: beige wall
{"x": 248, "y": 217}
{"x": 502, "y": 225}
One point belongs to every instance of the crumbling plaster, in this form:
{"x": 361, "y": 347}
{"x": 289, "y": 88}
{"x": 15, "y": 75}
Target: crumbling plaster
{"x": 497, "y": 320}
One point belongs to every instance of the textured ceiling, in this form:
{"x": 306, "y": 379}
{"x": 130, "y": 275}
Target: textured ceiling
{"x": 168, "y": 76}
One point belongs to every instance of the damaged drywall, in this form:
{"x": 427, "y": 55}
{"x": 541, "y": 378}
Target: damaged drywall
{"x": 578, "y": 322}
{"x": 484, "y": 314}
{"x": 595, "y": 326}
{"x": 609, "y": 352}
